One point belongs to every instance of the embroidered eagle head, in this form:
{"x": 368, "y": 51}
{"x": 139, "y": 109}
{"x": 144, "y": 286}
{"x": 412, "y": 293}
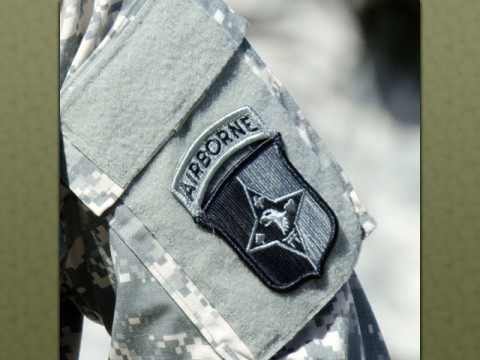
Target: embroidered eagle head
{"x": 279, "y": 218}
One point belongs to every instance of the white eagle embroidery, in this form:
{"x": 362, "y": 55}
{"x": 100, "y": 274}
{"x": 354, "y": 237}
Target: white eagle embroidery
{"x": 279, "y": 218}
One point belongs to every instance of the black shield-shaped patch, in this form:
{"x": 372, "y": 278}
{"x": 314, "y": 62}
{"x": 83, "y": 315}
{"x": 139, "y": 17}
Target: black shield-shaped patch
{"x": 260, "y": 204}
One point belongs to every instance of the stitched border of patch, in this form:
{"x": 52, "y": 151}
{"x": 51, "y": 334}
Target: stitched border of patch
{"x": 283, "y": 243}
{"x": 206, "y": 222}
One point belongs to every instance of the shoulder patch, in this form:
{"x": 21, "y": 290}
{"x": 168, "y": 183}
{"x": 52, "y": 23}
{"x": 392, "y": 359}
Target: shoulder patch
{"x": 260, "y": 204}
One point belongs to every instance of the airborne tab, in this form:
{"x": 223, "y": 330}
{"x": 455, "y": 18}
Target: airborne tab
{"x": 277, "y": 223}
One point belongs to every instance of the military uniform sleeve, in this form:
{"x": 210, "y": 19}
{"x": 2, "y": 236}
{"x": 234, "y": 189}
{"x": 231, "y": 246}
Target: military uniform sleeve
{"x": 218, "y": 223}
{"x": 71, "y": 321}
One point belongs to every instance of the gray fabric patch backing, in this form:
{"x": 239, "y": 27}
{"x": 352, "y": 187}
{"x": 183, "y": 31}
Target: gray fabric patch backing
{"x": 136, "y": 93}
{"x": 250, "y": 308}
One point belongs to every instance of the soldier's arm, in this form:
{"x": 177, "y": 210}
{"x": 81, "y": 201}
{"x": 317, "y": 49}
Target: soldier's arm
{"x": 232, "y": 231}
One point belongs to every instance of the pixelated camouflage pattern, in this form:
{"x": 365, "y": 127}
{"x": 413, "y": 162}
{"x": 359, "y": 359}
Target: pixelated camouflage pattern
{"x": 141, "y": 317}
{"x": 74, "y": 18}
{"x": 71, "y": 321}
{"x": 177, "y": 284}
{"x": 80, "y": 48}
{"x": 147, "y": 320}
{"x": 95, "y": 188}
{"x": 121, "y": 22}
{"x": 344, "y": 329}
{"x": 83, "y": 25}
{"x": 147, "y": 308}
{"x": 148, "y": 323}
{"x": 367, "y": 222}
{"x": 87, "y": 278}
{"x": 224, "y": 16}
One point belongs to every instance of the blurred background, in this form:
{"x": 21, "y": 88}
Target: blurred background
{"x": 353, "y": 67}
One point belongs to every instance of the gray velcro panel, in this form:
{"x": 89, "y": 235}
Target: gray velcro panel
{"x": 139, "y": 90}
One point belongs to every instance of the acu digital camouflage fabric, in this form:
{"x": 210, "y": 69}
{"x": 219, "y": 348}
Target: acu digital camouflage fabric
{"x": 114, "y": 270}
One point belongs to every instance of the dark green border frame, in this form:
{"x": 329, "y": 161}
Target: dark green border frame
{"x": 450, "y": 179}
{"x": 29, "y": 179}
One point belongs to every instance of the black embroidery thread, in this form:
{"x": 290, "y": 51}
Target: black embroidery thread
{"x": 209, "y": 222}
{"x": 237, "y": 181}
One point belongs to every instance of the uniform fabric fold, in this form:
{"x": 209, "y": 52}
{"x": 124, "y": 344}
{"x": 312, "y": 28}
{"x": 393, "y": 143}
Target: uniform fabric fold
{"x": 140, "y": 89}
